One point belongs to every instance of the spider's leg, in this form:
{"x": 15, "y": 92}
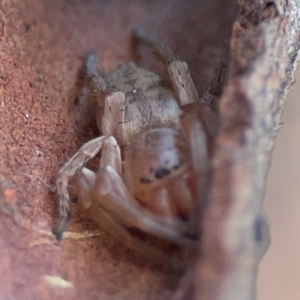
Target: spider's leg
{"x": 198, "y": 140}
{"x": 111, "y": 223}
{"x": 86, "y": 179}
{"x": 110, "y": 193}
{"x": 86, "y": 152}
{"x": 111, "y": 205}
{"x": 96, "y": 83}
{"x": 199, "y": 123}
{"x": 182, "y": 82}
{"x": 111, "y": 155}
{"x": 177, "y": 68}
{"x": 205, "y": 112}
{"x": 90, "y": 84}
{"x": 213, "y": 93}
{"x": 113, "y": 119}
{"x": 111, "y": 123}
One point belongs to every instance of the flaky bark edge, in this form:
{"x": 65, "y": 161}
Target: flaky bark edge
{"x": 263, "y": 57}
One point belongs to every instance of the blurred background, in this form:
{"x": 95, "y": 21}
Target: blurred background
{"x": 279, "y": 276}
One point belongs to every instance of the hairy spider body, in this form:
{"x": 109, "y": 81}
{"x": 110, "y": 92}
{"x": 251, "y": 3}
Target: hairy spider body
{"x": 151, "y": 154}
{"x": 146, "y": 104}
{"x": 148, "y": 133}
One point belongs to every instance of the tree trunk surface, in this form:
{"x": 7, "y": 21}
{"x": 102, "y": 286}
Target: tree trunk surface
{"x": 264, "y": 50}
{"x": 41, "y": 49}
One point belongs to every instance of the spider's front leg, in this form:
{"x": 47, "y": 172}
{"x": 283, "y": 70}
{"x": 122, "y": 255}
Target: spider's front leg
{"x": 111, "y": 205}
{"x": 86, "y": 182}
{"x": 107, "y": 192}
{"x": 85, "y": 153}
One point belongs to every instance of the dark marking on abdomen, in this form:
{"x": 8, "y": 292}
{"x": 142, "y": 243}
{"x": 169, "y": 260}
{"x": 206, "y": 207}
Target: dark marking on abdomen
{"x": 162, "y": 172}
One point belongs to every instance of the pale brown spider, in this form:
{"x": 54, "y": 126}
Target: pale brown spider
{"x": 165, "y": 139}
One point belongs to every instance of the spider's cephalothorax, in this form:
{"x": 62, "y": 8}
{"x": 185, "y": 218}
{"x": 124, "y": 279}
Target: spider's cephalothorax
{"x": 155, "y": 145}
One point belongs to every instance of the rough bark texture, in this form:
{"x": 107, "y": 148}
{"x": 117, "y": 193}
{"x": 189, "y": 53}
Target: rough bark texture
{"x": 263, "y": 56}
{"x": 41, "y": 47}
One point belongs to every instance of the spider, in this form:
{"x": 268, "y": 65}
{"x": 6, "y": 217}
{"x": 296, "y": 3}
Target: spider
{"x": 155, "y": 149}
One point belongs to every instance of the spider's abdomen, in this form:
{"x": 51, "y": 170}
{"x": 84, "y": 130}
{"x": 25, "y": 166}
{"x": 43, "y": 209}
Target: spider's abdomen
{"x": 156, "y": 165}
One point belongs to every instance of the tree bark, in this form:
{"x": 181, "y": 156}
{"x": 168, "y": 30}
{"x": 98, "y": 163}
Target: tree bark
{"x": 263, "y": 56}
